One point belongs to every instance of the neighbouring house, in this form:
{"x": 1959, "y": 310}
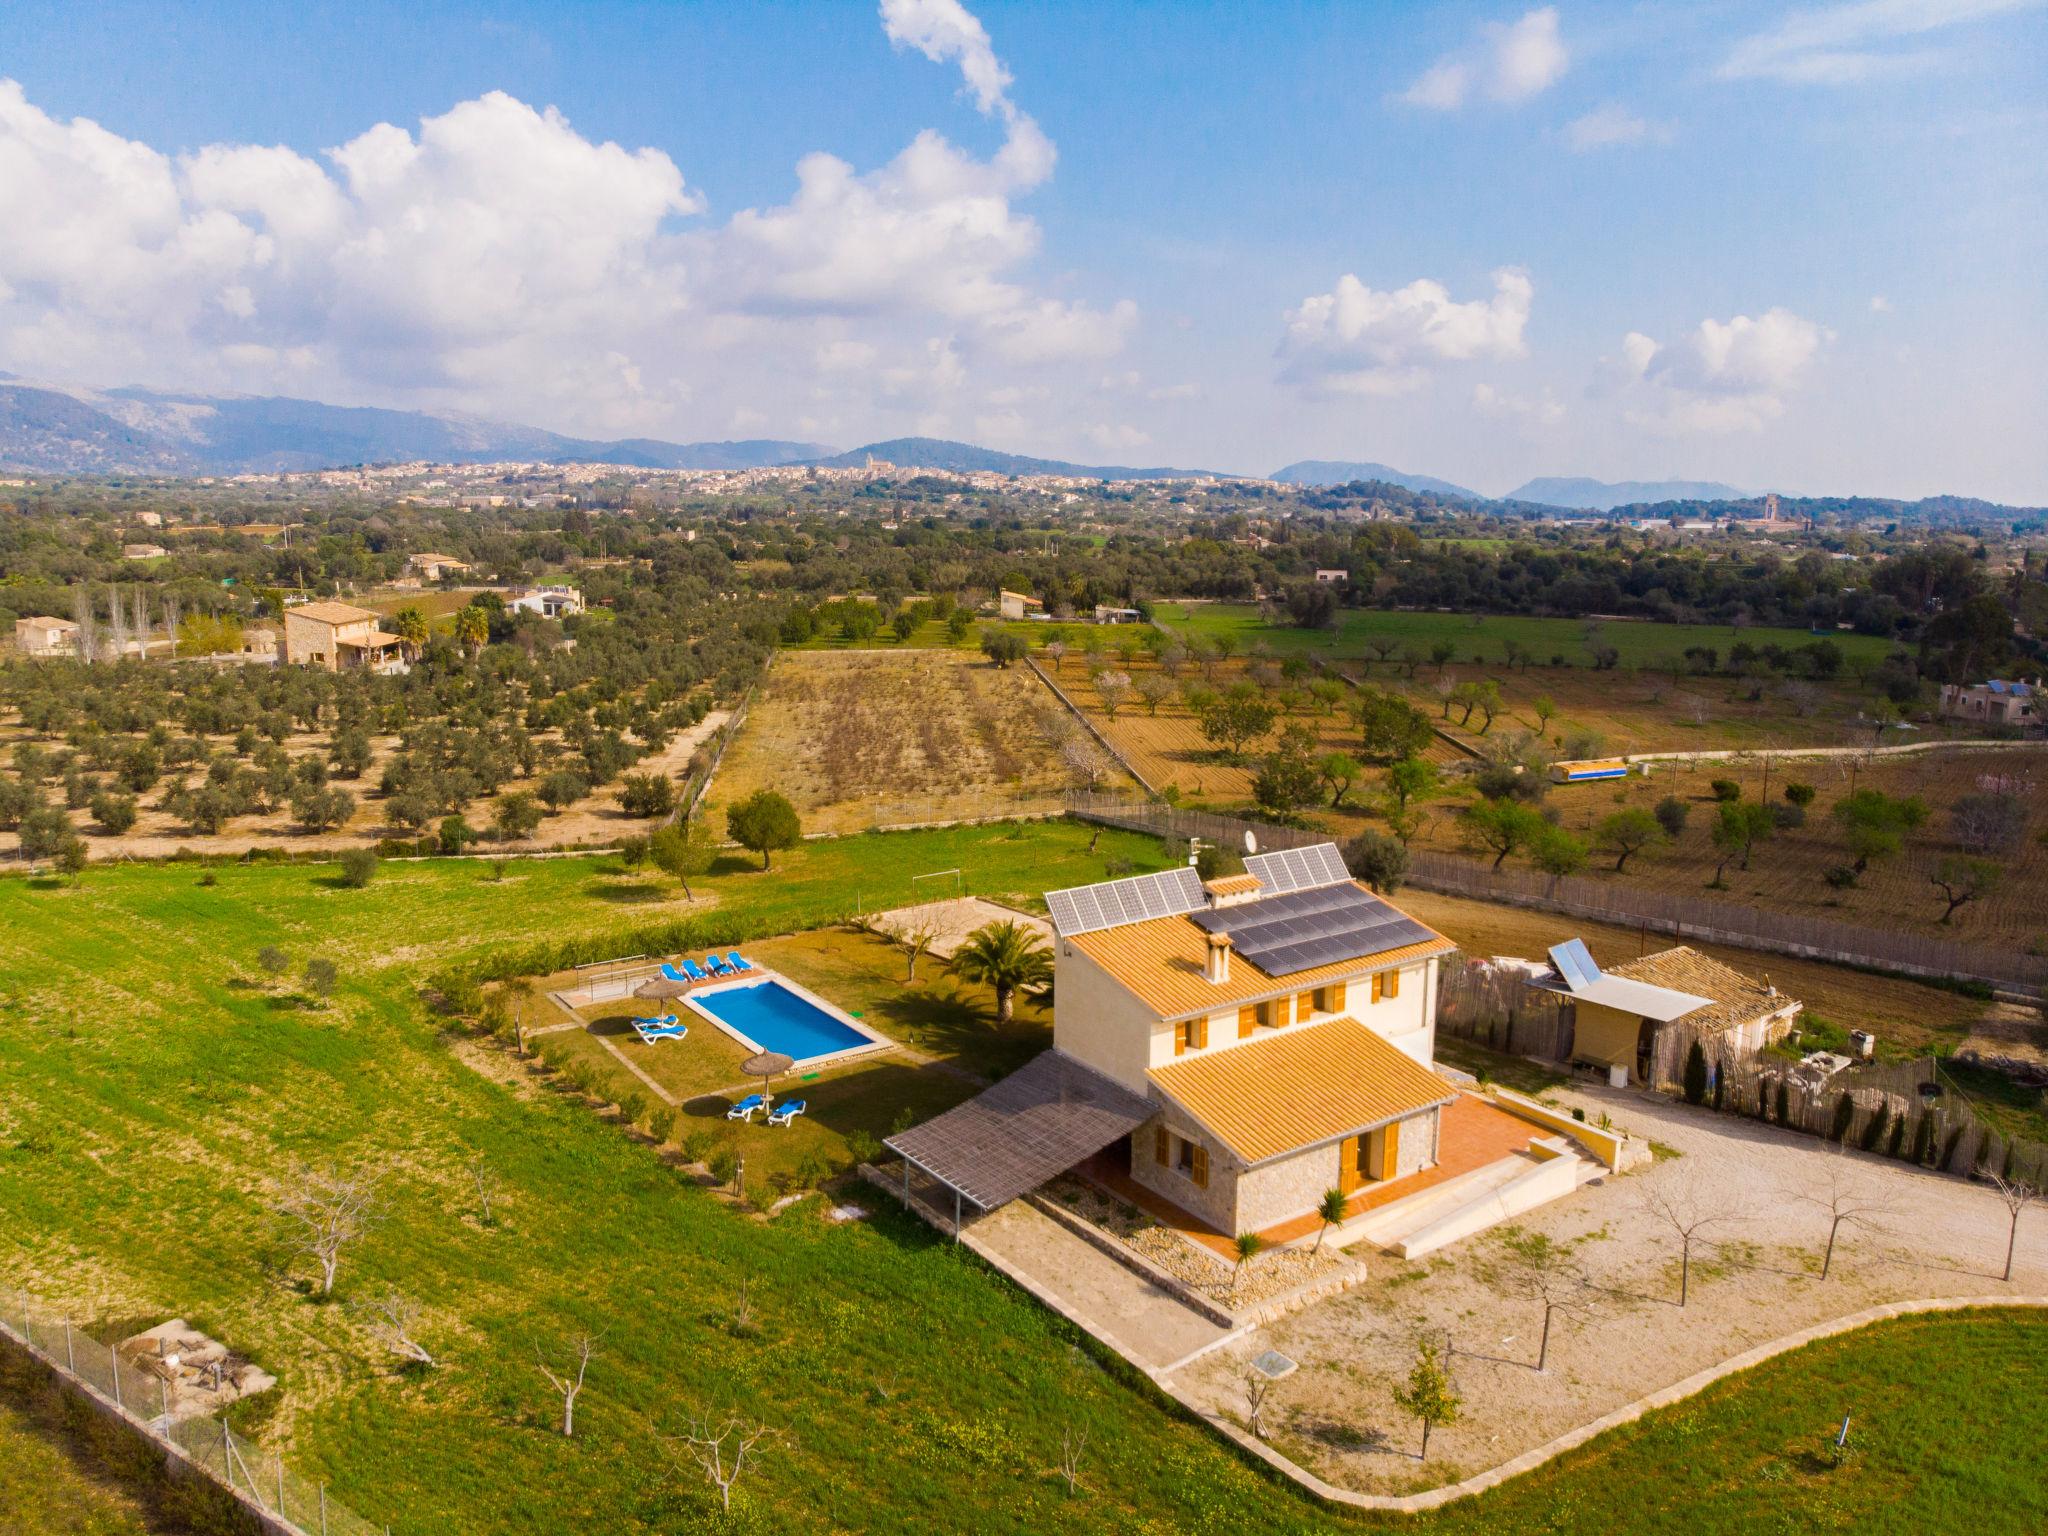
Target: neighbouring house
{"x": 549, "y": 602}
{"x": 340, "y": 637}
{"x": 1016, "y": 605}
{"x": 1637, "y": 1022}
{"x": 143, "y": 551}
{"x": 1104, "y": 614}
{"x": 1996, "y": 702}
{"x": 45, "y": 637}
{"x": 432, "y": 567}
{"x": 1331, "y": 577}
{"x": 1235, "y": 1048}
{"x": 1589, "y": 769}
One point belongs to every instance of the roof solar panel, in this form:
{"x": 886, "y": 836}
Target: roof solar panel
{"x": 1299, "y": 869}
{"x": 1113, "y": 903}
{"x": 1575, "y": 964}
{"x": 1300, "y": 930}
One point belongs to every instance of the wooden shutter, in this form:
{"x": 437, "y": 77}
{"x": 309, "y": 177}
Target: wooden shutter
{"x": 1304, "y": 1005}
{"x": 1393, "y": 986}
{"x": 1376, "y": 980}
{"x": 1337, "y": 997}
{"x": 1162, "y": 1146}
{"x": 1198, "y": 1029}
{"x": 1180, "y": 1038}
{"x": 1247, "y": 1021}
{"x": 1199, "y": 1169}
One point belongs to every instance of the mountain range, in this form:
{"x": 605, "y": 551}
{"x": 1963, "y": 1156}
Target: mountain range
{"x": 1600, "y": 495}
{"x": 1345, "y": 471}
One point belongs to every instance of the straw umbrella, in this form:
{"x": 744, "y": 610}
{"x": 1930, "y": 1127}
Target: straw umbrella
{"x": 660, "y": 989}
{"x": 768, "y": 1065}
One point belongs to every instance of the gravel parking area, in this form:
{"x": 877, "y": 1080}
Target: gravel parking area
{"x": 1755, "y": 1277}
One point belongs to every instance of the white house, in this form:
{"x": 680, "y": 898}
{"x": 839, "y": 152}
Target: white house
{"x": 1996, "y": 702}
{"x": 44, "y": 637}
{"x": 549, "y": 602}
{"x": 1018, "y": 605}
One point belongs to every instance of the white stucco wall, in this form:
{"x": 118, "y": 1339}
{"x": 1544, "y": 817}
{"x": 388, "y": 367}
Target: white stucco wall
{"x": 1098, "y": 1022}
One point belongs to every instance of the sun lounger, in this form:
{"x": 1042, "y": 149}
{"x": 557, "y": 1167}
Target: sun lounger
{"x": 692, "y": 971}
{"x": 716, "y": 966}
{"x": 746, "y": 1108}
{"x": 649, "y": 1033}
{"x": 738, "y": 961}
{"x": 672, "y": 973}
{"x": 786, "y": 1111}
{"x": 666, "y": 1018}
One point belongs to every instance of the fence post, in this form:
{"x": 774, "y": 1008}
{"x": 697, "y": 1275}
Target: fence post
{"x": 323, "y": 1509}
{"x": 114, "y": 1357}
{"x": 280, "y": 1488}
{"x": 70, "y": 1357}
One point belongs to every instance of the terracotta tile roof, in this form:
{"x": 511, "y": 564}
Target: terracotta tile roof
{"x": 1300, "y": 1087}
{"x": 1161, "y": 961}
{"x": 330, "y": 613}
{"x": 1232, "y": 885}
{"x": 1736, "y": 998}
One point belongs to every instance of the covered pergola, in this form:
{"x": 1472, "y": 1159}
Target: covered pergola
{"x": 1034, "y": 1125}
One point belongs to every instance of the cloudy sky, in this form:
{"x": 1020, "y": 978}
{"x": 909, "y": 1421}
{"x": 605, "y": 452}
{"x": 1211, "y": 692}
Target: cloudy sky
{"x": 1790, "y": 246}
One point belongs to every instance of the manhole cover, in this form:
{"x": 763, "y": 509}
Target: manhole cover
{"x": 1273, "y": 1365}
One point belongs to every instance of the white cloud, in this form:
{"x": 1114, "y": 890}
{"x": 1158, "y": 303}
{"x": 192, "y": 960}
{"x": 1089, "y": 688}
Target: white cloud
{"x": 495, "y": 259}
{"x": 1115, "y": 437}
{"x": 1611, "y": 125}
{"x": 1724, "y": 376}
{"x": 1543, "y": 410}
{"x": 1843, "y": 44}
{"x": 1360, "y": 340}
{"x": 1880, "y": 305}
{"x": 1511, "y": 61}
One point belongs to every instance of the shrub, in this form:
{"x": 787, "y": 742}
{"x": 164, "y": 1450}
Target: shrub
{"x": 114, "y": 812}
{"x": 1725, "y": 790}
{"x": 1378, "y": 860}
{"x": 358, "y": 865}
{"x": 862, "y": 1147}
{"x": 1799, "y": 794}
{"x": 321, "y": 976}
{"x": 273, "y": 960}
{"x": 647, "y": 794}
{"x": 1845, "y": 1115}
{"x": 1784, "y": 1101}
{"x": 661, "y": 1123}
{"x": 724, "y": 1162}
{"x": 456, "y": 834}
{"x": 1695, "y": 1074}
{"x": 1840, "y": 876}
{"x": 1873, "y": 1133}
{"x": 1788, "y": 816}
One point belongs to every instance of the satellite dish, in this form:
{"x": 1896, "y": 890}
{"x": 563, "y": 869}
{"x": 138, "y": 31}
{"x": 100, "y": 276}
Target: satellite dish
{"x": 1251, "y": 841}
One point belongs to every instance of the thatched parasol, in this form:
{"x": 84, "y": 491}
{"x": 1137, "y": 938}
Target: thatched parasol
{"x": 767, "y": 1066}
{"x": 660, "y": 988}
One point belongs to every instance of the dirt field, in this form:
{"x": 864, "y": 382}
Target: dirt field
{"x": 858, "y": 739}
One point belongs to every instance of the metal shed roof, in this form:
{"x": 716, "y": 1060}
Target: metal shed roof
{"x": 1031, "y": 1127}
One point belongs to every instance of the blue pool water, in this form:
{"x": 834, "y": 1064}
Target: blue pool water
{"x": 777, "y": 1019}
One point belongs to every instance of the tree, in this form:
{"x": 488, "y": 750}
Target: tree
{"x": 1988, "y": 823}
{"x": 1155, "y": 689}
{"x": 647, "y": 794}
{"x": 1557, "y": 853}
{"x": 1237, "y": 719}
{"x": 1442, "y": 654}
{"x": 2017, "y": 1194}
{"x": 1001, "y": 647}
{"x": 1961, "y": 880}
{"x": 1073, "y": 1445}
{"x": 45, "y": 832}
{"x": 115, "y": 813}
{"x": 1249, "y": 1246}
{"x": 1688, "y": 1206}
{"x": 317, "y": 810}
{"x": 764, "y": 822}
{"x": 1412, "y": 778}
{"x": 1113, "y": 689}
{"x": 358, "y": 866}
{"x": 1738, "y": 828}
{"x": 1628, "y": 832}
{"x": 903, "y": 624}
{"x": 1875, "y": 823}
{"x": 484, "y": 1178}
{"x": 392, "y": 1320}
{"x": 1286, "y": 781}
{"x": 569, "y": 1380}
{"x": 1380, "y": 861}
{"x": 516, "y": 816}
{"x": 472, "y": 629}
{"x": 327, "y": 1211}
{"x": 1846, "y": 1198}
{"x": 410, "y": 625}
{"x": 723, "y": 1447}
{"x": 1390, "y": 728}
{"x": 1538, "y": 1267}
{"x": 1696, "y": 1074}
{"x": 456, "y": 834}
{"x": 682, "y": 852}
{"x": 1330, "y": 1211}
{"x": 1428, "y": 1396}
{"x": 1502, "y": 827}
{"x": 1671, "y": 813}
{"x": 1003, "y": 956}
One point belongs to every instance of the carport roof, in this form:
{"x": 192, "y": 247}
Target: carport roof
{"x": 1031, "y": 1127}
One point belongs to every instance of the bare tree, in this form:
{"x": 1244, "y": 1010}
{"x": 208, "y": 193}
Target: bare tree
{"x": 1537, "y": 1267}
{"x": 1849, "y": 1200}
{"x": 117, "y": 624}
{"x": 1257, "y": 1388}
{"x": 173, "y": 615}
{"x": 328, "y": 1211}
{"x": 915, "y": 942}
{"x": 1085, "y": 759}
{"x": 1688, "y": 1208}
{"x": 2017, "y": 1194}
{"x": 485, "y": 1178}
{"x": 141, "y": 623}
{"x": 1073, "y": 1443}
{"x": 392, "y": 1320}
{"x": 723, "y": 1447}
{"x": 569, "y": 1386}
{"x": 87, "y": 619}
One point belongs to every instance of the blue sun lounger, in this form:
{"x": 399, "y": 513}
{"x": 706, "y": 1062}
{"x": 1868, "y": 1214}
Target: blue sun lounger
{"x": 746, "y": 1108}
{"x": 672, "y": 973}
{"x": 738, "y": 961}
{"x": 692, "y": 971}
{"x": 716, "y": 966}
{"x": 649, "y": 1032}
{"x": 786, "y": 1111}
{"x": 657, "y": 1023}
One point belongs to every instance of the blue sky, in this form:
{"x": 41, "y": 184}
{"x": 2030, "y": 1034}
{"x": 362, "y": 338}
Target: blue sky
{"x": 1788, "y": 246}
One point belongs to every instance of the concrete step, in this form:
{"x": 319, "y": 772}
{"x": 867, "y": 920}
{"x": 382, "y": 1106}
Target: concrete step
{"x": 1385, "y": 1227}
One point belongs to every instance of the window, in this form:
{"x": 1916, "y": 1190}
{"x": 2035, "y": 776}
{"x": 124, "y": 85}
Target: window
{"x": 1187, "y": 1158}
{"x": 1330, "y": 999}
{"x": 1190, "y": 1035}
{"x": 1385, "y": 984}
{"x": 1247, "y": 1021}
{"x": 1304, "y": 1005}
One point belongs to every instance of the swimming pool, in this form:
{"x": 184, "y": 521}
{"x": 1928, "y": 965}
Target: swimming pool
{"x": 774, "y": 1015}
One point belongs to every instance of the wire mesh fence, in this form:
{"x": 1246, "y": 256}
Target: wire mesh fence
{"x": 145, "y": 1401}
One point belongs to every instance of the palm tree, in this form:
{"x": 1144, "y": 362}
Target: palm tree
{"x": 410, "y": 625}
{"x": 472, "y": 629}
{"x": 1249, "y": 1246}
{"x": 1332, "y": 1211}
{"x": 1005, "y": 956}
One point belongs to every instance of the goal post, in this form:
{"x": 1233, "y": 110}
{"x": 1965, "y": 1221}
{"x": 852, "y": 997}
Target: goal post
{"x": 959, "y": 881}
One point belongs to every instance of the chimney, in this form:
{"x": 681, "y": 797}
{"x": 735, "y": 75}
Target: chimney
{"x": 1218, "y": 968}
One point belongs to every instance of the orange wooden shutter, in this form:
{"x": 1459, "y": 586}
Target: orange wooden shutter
{"x": 1376, "y": 979}
{"x": 1304, "y": 1005}
{"x": 1180, "y": 1038}
{"x": 1199, "y": 1028}
{"x": 1160, "y": 1150}
{"x": 1337, "y": 997}
{"x": 1247, "y": 1021}
{"x": 1199, "y": 1171}
{"x": 1393, "y": 987}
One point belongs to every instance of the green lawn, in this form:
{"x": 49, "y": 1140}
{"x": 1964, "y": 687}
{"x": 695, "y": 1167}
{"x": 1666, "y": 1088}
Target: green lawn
{"x": 1640, "y": 643}
{"x": 50, "y": 1484}
{"x": 156, "y": 1090}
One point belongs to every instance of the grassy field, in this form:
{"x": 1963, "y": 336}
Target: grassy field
{"x": 1641, "y": 644}
{"x": 160, "y": 1091}
{"x": 50, "y": 1483}
{"x": 865, "y": 738}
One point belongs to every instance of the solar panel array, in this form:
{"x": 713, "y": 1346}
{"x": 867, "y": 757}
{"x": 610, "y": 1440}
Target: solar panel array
{"x": 1575, "y": 964}
{"x": 1085, "y": 908}
{"x": 1302, "y": 929}
{"x": 1299, "y": 869}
